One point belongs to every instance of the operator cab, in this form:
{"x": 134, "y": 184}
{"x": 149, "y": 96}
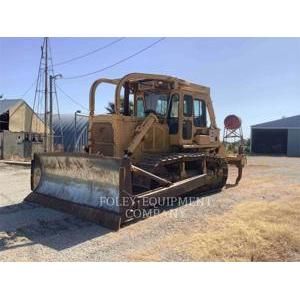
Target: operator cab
{"x": 184, "y": 116}
{"x": 184, "y": 110}
{"x": 150, "y": 96}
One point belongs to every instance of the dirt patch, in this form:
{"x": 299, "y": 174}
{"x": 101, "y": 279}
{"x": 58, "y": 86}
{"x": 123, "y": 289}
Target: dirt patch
{"x": 256, "y": 220}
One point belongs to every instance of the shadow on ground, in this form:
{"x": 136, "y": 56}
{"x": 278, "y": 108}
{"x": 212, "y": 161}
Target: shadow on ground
{"x": 26, "y": 224}
{"x": 174, "y": 203}
{"x": 230, "y": 185}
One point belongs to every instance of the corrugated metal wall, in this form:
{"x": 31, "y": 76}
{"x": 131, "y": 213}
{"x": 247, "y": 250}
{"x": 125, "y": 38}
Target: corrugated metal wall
{"x": 293, "y": 148}
{"x": 66, "y": 124}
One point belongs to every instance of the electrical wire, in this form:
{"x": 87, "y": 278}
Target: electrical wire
{"x": 89, "y": 53}
{"x": 35, "y": 100}
{"x": 28, "y": 90}
{"x": 24, "y": 94}
{"x": 118, "y": 62}
{"x": 72, "y": 99}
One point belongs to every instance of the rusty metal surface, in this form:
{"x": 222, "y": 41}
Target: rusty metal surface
{"x": 82, "y": 179}
{"x": 75, "y": 183}
{"x": 158, "y": 139}
{"x": 178, "y": 188}
{"x": 103, "y": 135}
{"x": 239, "y": 161}
{"x": 100, "y": 216}
{"x": 81, "y": 182}
{"x": 232, "y": 122}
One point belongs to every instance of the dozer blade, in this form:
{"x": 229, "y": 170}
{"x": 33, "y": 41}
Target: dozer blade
{"x": 84, "y": 185}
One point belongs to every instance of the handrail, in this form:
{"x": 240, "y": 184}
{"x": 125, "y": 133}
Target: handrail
{"x": 93, "y": 92}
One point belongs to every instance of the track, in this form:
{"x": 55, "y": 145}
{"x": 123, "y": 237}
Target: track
{"x": 178, "y": 166}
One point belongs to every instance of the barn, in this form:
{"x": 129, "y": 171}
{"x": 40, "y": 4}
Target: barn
{"x": 281, "y": 137}
{"x": 21, "y": 130}
{"x": 17, "y": 116}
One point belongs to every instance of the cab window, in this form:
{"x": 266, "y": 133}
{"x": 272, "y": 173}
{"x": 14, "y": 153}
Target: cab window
{"x": 199, "y": 113}
{"x": 161, "y": 106}
{"x": 187, "y": 105}
{"x": 173, "y": 114}
{"x": 156, "y": 102}
{"x": 140, "y": 110}
{"x": 174, "y": 106}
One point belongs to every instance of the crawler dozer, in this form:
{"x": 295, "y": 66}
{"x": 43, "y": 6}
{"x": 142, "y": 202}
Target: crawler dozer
{"x": 160, "y": 141}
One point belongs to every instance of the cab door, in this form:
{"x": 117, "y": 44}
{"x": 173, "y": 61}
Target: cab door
{"x": 187, "y": 118}
{"x": 173, "y": 119}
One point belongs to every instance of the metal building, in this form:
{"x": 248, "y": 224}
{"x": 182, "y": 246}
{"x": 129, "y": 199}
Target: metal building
{"x": 66, "y": 134}
{"x": 280, "y": 137}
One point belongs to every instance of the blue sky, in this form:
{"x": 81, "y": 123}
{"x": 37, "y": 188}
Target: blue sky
{"x": 256, "y": 78}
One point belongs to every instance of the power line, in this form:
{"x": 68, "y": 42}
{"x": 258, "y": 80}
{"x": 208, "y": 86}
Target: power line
{"x": 72, "y": 99}
{"x": 89, "y": 53}
{"x": 23, "y": 95}
{"x": 118, "y": 62}
{"x": 28, "y": 90}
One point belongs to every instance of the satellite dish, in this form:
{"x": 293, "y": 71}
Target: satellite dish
{"x": 232, "y": 122}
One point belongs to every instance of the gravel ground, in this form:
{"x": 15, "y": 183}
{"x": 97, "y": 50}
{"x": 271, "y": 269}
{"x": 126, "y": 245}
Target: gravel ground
{"x": 29, "y": 232}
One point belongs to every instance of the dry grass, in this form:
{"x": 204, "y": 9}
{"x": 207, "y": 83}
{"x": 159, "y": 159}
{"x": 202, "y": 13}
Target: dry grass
{"x": 251, "y": 231}
{"x": 257, "y": 220}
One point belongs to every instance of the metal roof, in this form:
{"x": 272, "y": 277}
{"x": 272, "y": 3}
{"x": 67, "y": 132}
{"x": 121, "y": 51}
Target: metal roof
{"x": 7, "y": 104}
{"x": 284, "y": 123}
{"x": 67, "y": 125}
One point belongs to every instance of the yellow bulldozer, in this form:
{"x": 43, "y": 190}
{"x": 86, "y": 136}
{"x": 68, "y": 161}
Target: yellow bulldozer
{"x": 161, "y": 140}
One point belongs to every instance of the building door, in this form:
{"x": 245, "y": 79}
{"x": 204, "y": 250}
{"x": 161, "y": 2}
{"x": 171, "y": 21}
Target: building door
{"x": 269, "y": 141}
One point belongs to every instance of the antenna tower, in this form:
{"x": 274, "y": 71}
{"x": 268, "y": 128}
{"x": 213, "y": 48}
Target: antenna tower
{"x": 41, "y": 105}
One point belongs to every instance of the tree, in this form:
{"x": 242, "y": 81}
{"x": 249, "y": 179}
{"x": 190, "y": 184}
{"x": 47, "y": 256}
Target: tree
{"x": 112, "y": 110}
{"x": 247, "y": 146}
